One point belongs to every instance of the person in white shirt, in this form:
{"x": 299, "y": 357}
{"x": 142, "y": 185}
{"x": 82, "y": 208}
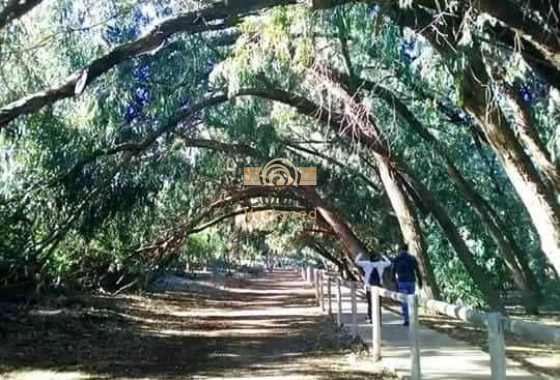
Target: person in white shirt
{"x": 372, "y": 274}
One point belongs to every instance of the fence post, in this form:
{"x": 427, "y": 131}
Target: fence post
{"x": 376, "y": 324}
{"x": 496, "y": 345}
{"x": 413, "y": 329}
{"x": 322, "y": 290}
{"x": 354, "y": 309}
{"x": 316, "y": 283}
{"x": 329, "y": 294}
{"x": 338, "y": 302}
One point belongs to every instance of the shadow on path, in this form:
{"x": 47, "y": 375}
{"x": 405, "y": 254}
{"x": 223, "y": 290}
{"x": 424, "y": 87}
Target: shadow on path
{"x": 266, "y": 329}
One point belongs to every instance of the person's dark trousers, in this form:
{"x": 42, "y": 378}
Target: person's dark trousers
{"x": 406, "y": 288}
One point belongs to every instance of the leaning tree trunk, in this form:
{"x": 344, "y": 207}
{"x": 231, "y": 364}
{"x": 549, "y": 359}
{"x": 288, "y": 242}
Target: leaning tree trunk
{"x": 338, "y": 123}
{"x": 477, "y": 273}
{"x": 408, "y": 221}
{"x": 527, "y": 29}
{"x": 506, "y": 245}
{"x": 353, "y": 246}
{"x": 478, "y": 101}
{"x": 535, "y": 195}
{"x": 14, "y": 9}
{"x": 322, "y": 251}
{"x": 531, "y": 140}
{"x": 521, "y": 273}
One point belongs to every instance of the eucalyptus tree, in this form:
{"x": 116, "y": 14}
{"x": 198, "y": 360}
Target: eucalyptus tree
{"x": 137, "y": 118}
{"x": 478, "y": 99}
{"x": 13, "y": 9}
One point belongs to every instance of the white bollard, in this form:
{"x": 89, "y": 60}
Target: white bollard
{"x": 375, "y": 324}
{"x": 354, "y": 309}
{"x": 322, "y": 290}
{"x": 339, "y": 302}
{"x": 329, "y": 294}
{"x": 316, "y": 284}
{"x": 496, "y": 345}
{"x": 413, "y": 330}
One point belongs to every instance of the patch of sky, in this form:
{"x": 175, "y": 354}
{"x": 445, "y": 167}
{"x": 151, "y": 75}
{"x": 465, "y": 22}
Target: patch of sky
{"x": 526, "y": 93}
{"x": 142, "y": 96}
{"x": 373, "y": 10}
{"x": 131, "y": 112}
{"x": 142, "y": 72}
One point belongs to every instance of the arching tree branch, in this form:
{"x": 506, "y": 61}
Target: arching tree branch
{"x": 15, "y": 9}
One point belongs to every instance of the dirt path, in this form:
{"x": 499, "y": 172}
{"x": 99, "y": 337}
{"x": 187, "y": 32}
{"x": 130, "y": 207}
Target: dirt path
{"x": 269, "y": 328}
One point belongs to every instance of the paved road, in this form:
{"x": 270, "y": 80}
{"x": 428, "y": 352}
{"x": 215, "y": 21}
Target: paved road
{"x": 442, "y": 357}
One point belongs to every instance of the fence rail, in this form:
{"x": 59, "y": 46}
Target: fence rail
{"x": 495, "y": 323}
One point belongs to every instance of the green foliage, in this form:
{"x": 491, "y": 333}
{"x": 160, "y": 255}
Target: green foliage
{"x": 74, "y": 214}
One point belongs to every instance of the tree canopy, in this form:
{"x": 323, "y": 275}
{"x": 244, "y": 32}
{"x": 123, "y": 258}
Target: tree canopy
{"x": 125, "y": 127}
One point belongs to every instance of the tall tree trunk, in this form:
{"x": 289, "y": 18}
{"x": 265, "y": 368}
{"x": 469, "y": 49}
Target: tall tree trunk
{"x": 532, "y": 56}
{"x": 335, "y": 222}
{"x": 477, "y": 273}
{"x": 535, "y": 195}
{"x": 406, "y": 215}
{"x": 15, "y": 9}
{"x": 368, "y": 135}
{"x": 531, "y": 31}
{"x": 408, "y": 222}
{"x": 479, "y": 102}
{"x": 521, "y": 274}
{"x": 530, "y": 138}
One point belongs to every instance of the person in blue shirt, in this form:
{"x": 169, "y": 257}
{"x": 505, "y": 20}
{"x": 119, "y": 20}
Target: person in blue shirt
{"x": 406, "y": 272}
{"x": 372, "y": 273}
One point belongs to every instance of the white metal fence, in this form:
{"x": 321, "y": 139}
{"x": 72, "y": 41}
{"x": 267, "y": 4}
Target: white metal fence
{"x": 495, "y": 323}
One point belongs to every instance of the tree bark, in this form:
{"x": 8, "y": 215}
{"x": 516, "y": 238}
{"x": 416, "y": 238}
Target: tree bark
{"x": 422, "y": 21}
{"x": 15, "y": 9}
{"x": 340, "y": 228}
{"x": 521, "y": 274}
{"x": 530, "y": 138}
{"x": 373, "y": 139}
{"x": 409, "y": 224}
{"x": 479, "y": 102}
{"x": 406, "y": 215}
{"x": 536, "y": 196}
{"x": 542, "y": 38}
{"x": 477, "y": 273}
{"x": 534, "y": 57}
